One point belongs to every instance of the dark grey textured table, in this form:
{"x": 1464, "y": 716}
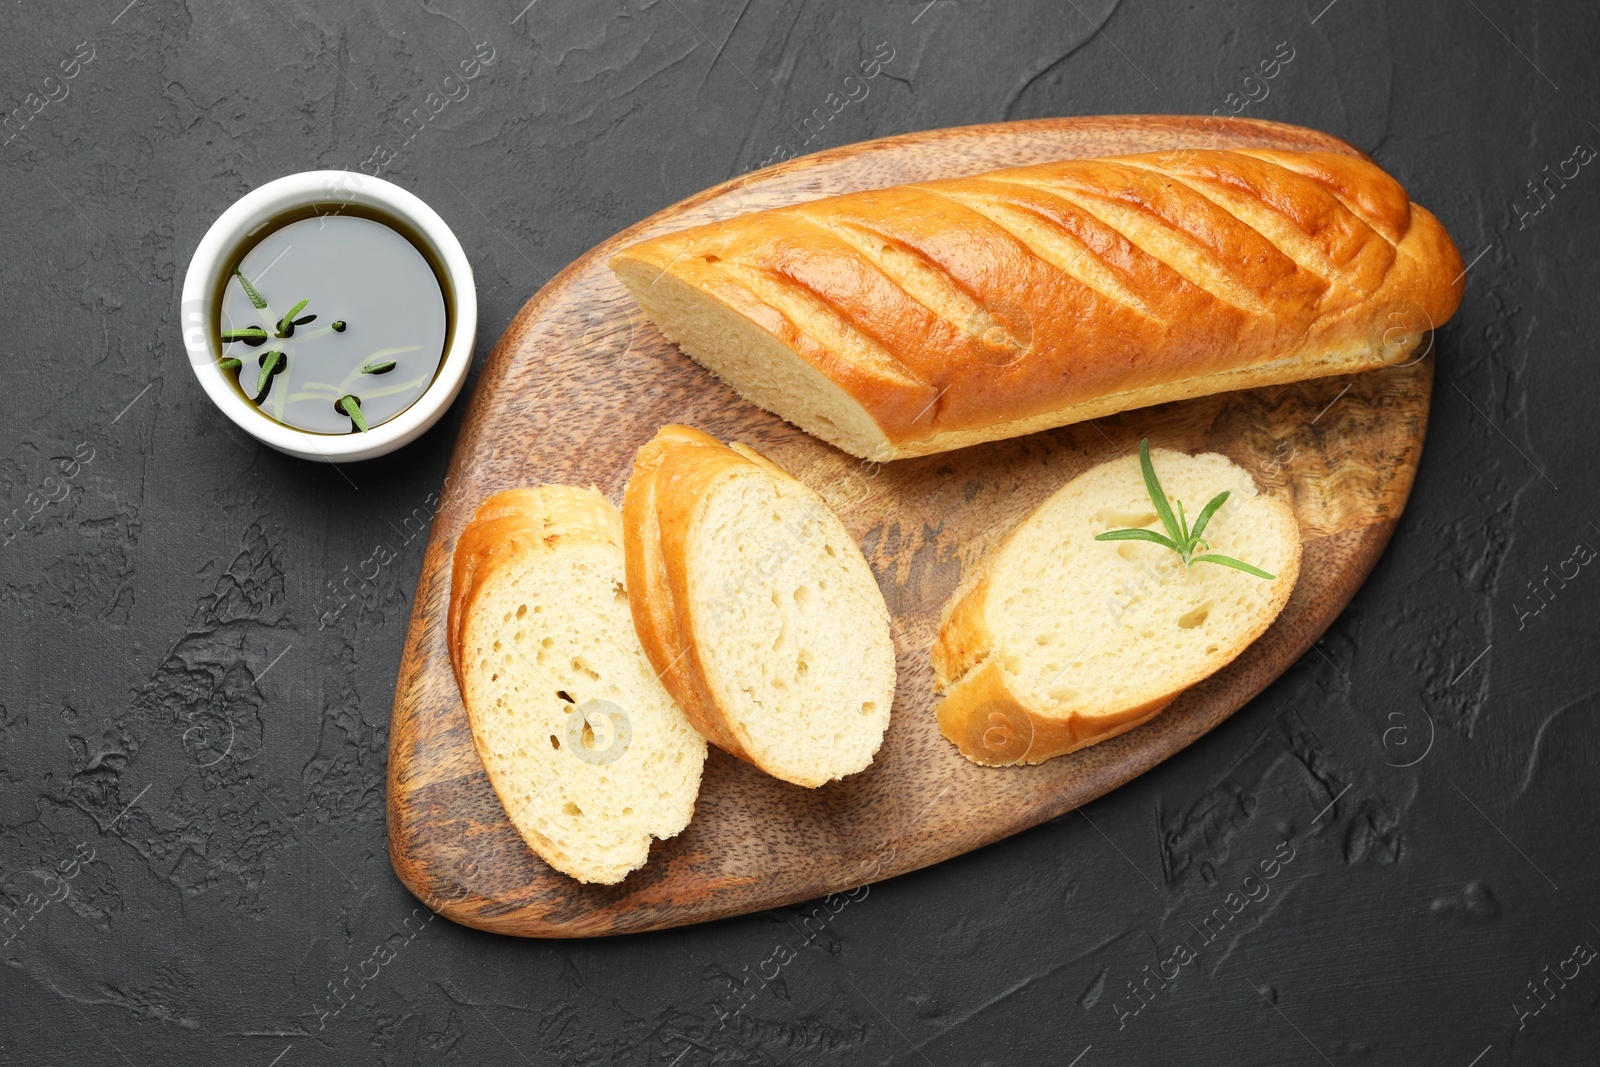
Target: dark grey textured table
{"x": 193, "y": 716}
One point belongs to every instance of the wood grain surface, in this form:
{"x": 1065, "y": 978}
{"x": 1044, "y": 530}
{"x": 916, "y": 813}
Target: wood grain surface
{"x": 580, "y": 380}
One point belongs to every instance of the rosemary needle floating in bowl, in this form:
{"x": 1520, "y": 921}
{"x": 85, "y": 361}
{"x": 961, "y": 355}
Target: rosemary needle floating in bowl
{"x": 1183, "y": 540}
{"x": 256, "y": 299}
{"x": 350, "y": 405}
{"x": 379, "y": 367}
{"x": 271, "y": 363}
{"x": 287, "y": 324}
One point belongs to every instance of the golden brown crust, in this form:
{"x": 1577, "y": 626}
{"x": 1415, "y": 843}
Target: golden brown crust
{"x": 974, "y": 308}
{"x": 985, "y": 717}
{"x": 991, "y": 725}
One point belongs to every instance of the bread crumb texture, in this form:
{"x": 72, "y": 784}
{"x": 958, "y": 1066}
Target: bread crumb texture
{"x": 792, "y": 631}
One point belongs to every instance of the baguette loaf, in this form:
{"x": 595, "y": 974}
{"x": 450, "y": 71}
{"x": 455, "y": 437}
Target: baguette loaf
{"x": 920, "y": 318}
{"x": 1058, "y": 641}
{"x": 757, "y": 608}
{"x": 587, "y": 752}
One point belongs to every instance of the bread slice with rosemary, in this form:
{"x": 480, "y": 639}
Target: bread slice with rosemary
{"x": 757, "y": 608}
{"x": 1104, "y": 604}
{"x": 585, "y": 748}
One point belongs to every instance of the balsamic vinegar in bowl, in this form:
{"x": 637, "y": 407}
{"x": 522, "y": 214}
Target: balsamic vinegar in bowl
{"x": 333, "y": 320}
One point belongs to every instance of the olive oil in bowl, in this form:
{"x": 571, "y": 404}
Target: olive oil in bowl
{"x": 333, "y": 320}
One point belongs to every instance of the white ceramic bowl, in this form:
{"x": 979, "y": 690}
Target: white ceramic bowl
{"x": 208, "y": 269}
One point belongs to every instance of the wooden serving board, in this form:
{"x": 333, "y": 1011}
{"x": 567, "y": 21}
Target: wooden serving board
{"x": 581, "y": 379}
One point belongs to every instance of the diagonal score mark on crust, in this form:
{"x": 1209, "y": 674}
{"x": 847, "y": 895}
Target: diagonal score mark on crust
{"x": 1183, "y": 255}
{"x": 1266, "y": 220}
{"x": 919, "y": 278}
{"x": 815, "y": 317}
{"x": 1049, "y": 242}
{"x": 1266, "y": 156}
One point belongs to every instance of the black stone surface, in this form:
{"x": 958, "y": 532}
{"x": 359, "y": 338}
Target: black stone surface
{"x": 202, "y": 764}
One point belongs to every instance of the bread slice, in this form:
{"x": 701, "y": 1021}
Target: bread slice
{"x": 1058, "y": 641}
{"x": 587, "y": 752}
{"x": 759, "y": 611}
{"x": 920, "y": 318}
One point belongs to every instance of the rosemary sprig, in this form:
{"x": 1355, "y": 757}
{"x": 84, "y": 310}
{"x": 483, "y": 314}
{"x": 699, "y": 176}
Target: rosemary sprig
{"x": 271, "y": 363}
{"x": 1181, "y": 539}
{"x": 249, "y": 333}
{"x": 350, "y": 404}
{"x": 256, "y": 298}
{"x": 287, "y": 324}
{"x": 379, "y": 367}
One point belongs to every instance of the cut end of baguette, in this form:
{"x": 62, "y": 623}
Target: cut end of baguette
{"x": 777, "y": 633}
{"x": 1063, "y": 641}
{"x": 752, "y": 358}
{"x": 587, "y": 752}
